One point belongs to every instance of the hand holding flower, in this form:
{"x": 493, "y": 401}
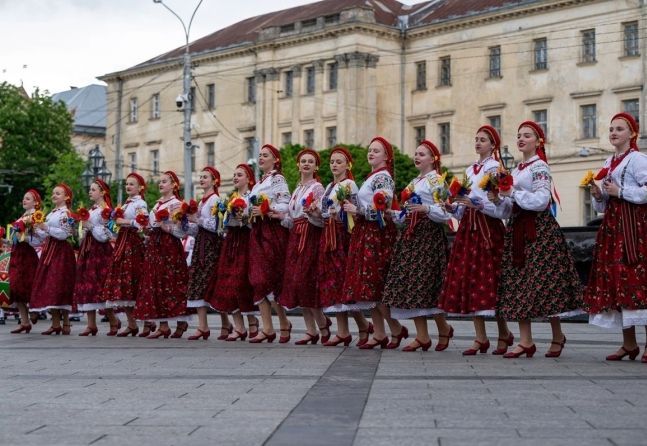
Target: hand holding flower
{"x": 595, "y": 191}
{"x": 611, "y": 188}
{"x": 349, "y": 207}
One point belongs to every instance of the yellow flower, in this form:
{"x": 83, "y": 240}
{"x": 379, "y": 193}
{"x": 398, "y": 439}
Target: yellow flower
{"x": 38, "y": 217}
{"x": 588, "y": 179}
{"x": 484, "y": 181}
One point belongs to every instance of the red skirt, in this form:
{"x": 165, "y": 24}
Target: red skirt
{"x": 23, "y": 263}
{"x": 331, "y": 268}
{"x": 230, "y": 290}
{"x": 162, "y": 292}
{"x": 92, "y": 268}
{"x": 204, "y": 264}
{"x": 300, "y": 278}
{"x": 472, "y": 277}
{"x": 124, "y": 273}
{"x": 369, "y": 256}
{"x": 267, "y": 243}
{"x": 53, "y": 286}
{"x": 617, "y": 281}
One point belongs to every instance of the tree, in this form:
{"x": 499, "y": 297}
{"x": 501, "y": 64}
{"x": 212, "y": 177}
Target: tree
{"x": 34, "y": 134}
{"x": 68, "y": 169}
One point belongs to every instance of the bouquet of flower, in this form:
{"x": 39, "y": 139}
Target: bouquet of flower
{"x": 342, "y": 194}
{"x": 440, "y": 194}
{"x": 37, "y": 217}
{"x": 460, "y": 188}
{"x": 117, "y": 212}
{"x": 380, "y": 205}
{"x": 106, "y": 213}
{"x": 308, "y": 200}
{"x": 81, "y": 214}
{"x": 192, "y": 207}
{"x": 588, "y": 179}
{"x": 162, "y": 215}
{"x": 234, "y": 205}
{"x": 501, "y": 180}
{"x": 408, "y": 197}
{"x": 262, "y": 201}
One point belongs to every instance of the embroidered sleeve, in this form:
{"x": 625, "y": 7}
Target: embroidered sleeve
{"x": 634, "y": 180}
{"x": 538, "y": 198}
{"x": 380, "y": 183}
{"x": 281, "y": 194}
{"x": 212, "y": 222}
{"x": 65, "y": 228}
{"x": 101, "y": 233}
{"x": 317, "y": 191}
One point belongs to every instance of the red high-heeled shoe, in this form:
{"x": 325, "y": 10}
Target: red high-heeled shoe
{"x": 483, "y": 348}
{"x": 508, "y": 341}
{"x": 338, "y": 340}
{"x": 440, "y": 347}
{"x": 21, "y": 328}
{"x": 556, "y": 353}
{"x": 383, "y": 343}
{"x": 368, "y": 331}
{"x": 89, "y": 331}
{"x": 310, "y": 338}
{"x": 149, "y": 327}
{"x": 114, "y": 329}
{"x": 159, "y": 333}
{"x": 204, "y": 334}
{"x": 223, "y": 337}
{"x": 253, "y": 333}
{"x": 180, "y": 328}
{"x": 52, "y": 330}
{"x": 128, "y": 331}
{"x": 262, "y": 336}
{"x": 643, "y": 359}
{"x": 528, "y": 351}
{"x": 631, "y": 353}
{"x": 326, "y": 338}
{"x": 404, "y": 333}
{"x": 423, "y": 345}
{"x": 286, "y": 339}
{"x": 67, "y": 329}
{"x": 238, "y": 335}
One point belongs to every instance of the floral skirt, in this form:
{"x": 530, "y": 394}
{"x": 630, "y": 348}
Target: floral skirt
{"x": 23, "y": 263}
{"x": 267, "y": 243}
{"x": 162, "y": 291}
{"x": 331, "y": 266}
{"x": 614, "y": 283}
{"x": 472, "y": 277}
{"x": 204, "y": 264}
{"x": 417, "y": 270}
{"x": 229, "y": 290}
{"x": 53, "y": 286}
{"x": 92, "y": 267}
{"x": 369, "y": 255}
{"x": 121, "y": 286}
{"x": 547, "y": 284}
{"x": 300, "y": 279}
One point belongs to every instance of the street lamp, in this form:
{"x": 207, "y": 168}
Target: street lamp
{"x": 96, "y": 168}
{"x": 186, "y": 98}
{"x": 507, "y": 158}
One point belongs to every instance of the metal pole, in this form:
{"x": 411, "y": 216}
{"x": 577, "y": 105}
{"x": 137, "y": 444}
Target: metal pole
{"x": 120, "y": 188}
{"x": 188, "y": 145}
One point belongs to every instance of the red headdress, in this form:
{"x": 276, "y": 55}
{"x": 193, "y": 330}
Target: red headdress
{"x": 106, "y": 191}
{"x": 276, "y": 154}
{"x": 349, "y": 160}
{"x": 141, "y": 181}
{"x": 37, "y": 198}
{"x": 435, "y": 153}
{"x": 250, "y": 174}
{"x": 389, "y": 154}
{"x": 176, "y": 183}
{"x": 541, "y": 138}
{"x": 633, "y": 125}
{"x": 495, "y": 139}
{"x": 308, "y": 151}
{"x": 68, "y": 192}
{"x": 215, "y": 175}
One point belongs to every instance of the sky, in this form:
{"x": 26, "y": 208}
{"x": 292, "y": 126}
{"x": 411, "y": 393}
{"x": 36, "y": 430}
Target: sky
{"x": 53, "y": 45}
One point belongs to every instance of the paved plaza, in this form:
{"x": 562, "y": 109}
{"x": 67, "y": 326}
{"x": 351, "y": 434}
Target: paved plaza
{"x": 69, "y": 390}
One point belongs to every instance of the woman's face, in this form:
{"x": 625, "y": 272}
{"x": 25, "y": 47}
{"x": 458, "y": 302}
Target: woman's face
{"x": 132, "y": 187}
{"x": 307, "y": 164}
{"x": 28, "y": 202}
{"x": 482, "y": 144}
{"x": 620, "y": 134}
{"x": 241, "y": 180}
{"x": 165, "y": 185}
{"x": 95, "y": 193}
{"x": 59, "y": 196}
{"x": 377, "y": 155}
{"x": 266, "y": 160}
{"x": 527, "y": 141}
{"x": 422, "y": 158}
{"x": 206, "y": 180}
{"x": 338, "y": 164}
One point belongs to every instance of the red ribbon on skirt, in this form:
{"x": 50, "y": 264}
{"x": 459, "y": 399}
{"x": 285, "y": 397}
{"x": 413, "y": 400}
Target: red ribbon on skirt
{"x": 48, "y": 252}
{"x": 301, "y": 228}
{"x": 523, "y": 230}
{"x": 121, "y": 242}
{"x": 412, "y": 218}
{"x": 628, "y": 213}
{"x": 330, "y": 234}
{"x": 477, "y": 221}
{"x": 85, "y": 245}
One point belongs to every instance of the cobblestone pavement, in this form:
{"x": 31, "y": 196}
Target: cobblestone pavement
{"x": 69, "y": 390}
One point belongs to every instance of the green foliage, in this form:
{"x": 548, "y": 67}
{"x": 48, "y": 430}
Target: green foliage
{"x": 34, "y": 134}
{"x": 68, "y": 169}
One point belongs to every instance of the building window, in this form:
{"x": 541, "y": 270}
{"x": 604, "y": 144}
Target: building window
{"x": 155, "y": 162}
{"x": 589, "y": 210}
{"x": 631, "y": 39}
{"x": 134, "y": 110}
{"x": 541, "y": 54}
{"x": 589, "y": 121}
{"x": 632, "y": 106}
{"x": 310, "y": 23}
{"x": 330, "y": 19}
{"x": 211, "y": 153}
{"x": 445, "y": 71}
{"x": 287, "y": 28}
{"x": 251, "y": 89}
{"x": 155, "y": 106}
{"x": 331, "y": 136}
{"x": 541, "y": 118}
{"x": 310, "y": 80}
{"x": 250, "y": 144}
{"x": 289, "y": 83}
{"x": 192, "y": 99}
{"x": 308, "y": 137}
{"x": 495, "y": 61}
{"x": 421, "y": 134}
{"x": 211, "y": 97}
{"x": 286, "y": 138}
{"x": 588, "y": 45}
{"x": 495, "y": 121}
{"x": 444, "y": 137}
{"x": 132, "y": 159}
{"x": 421, "y": 75}
{"x": 333, "y": 71}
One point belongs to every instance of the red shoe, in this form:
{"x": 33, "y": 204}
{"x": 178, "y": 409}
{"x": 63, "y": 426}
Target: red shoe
{"x": 114, "y": 330}
{"x": 263, "y": 337}
{"x": 89, "y": 331}
{"x": 368, "y": 331}
{"x": 423, "y": 345}
{"x": 310, "y": 338}
{"x": 223, "y": 337}
{"x": 242, "y": 336}
{"x": 149, "y": 327}
{"x": 326, "y": 338}
{"x": 159, "y": 333}
{"x": 556, "y": 353}
{"x": 404, "y": 333}
{"x": 201, "y": 334}
{"x": 508, "y": 341}
{"x": 253, "y": 333}
{"x": 644, "y": 357}
{"x": 338, "y": 340}
{"x": 52, "y": 330}
{"x": 440, "y": 347}
{"x": 383, "y": 343}
{"x": 21, "y": 328}
{"x": 528, "y": 351}
{"x": 286, "y": 339}
{"x": 128, "y": 331}
{"x": 483, "y": 348}
{"x": 180, "y": 328}
{"x": 631, "y": 353}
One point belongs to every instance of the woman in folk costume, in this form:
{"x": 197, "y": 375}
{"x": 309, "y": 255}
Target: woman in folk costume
{"x": 299, "y": 288}
{"x": 333, "y": 249}
{"x": 371, "y": 245}
{"x": 204, "y": 226}
{"x": 229, "y": 290}
{"x": 269, "y": 200}
{"x": 538, "y": 278}
{"x": 472, "y": 277}
{"x": 53, "y": 286}
{"x": 616, "y": 296}
{"x": 162, "y": 290}
{"x": 121, "y": 287}
{"x": 419, "y": 259}
{"x": 93, "y": 261}
{"x": 24, "y": 257}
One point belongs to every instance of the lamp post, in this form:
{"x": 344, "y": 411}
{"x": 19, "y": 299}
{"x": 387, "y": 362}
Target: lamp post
{"x": 507, "y": 158}
{"x": 96, "y": 168}
{"x": 186, "y": 101}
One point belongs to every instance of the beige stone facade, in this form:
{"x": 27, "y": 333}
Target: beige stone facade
{"x": 352, "y": 72}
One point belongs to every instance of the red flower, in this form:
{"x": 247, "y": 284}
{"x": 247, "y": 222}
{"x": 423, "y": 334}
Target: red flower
{"x": 265, "y": 207}
{"x": 2, "y": 232}
{"x": 379, "y": 201}
{"x": 184, "y": 208}
{"x": 119, "y": 212}
{"x": 162, "y": 214}
{"x": 142, "y": 220}
{"x": 18, "y": 225}
{"x": 105, "y": 213}
{"x": 82, "y": 214}
{"x": 307, "y": 201}
{"x": 239, "y": 203}
{"x": 405, "y": 195}
{"x": 193, "y": 207}
{"x": 601, "y": 175}
{"x": 505, "y": 182}
{"x": 455, "y": 187}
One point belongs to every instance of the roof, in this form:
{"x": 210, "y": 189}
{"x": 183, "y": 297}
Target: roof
{"x": 436, "y": 11}
{"x": 88, "y": 106}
